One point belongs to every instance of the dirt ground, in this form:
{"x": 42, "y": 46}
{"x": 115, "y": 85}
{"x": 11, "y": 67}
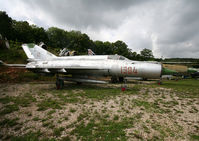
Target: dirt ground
{"x": 100, "y": 112}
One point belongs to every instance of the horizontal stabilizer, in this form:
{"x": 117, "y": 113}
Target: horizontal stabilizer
{"x": 13, "y": 65}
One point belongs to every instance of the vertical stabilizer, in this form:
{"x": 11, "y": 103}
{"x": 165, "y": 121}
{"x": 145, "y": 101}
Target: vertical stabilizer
{"x": 35, "y": 52}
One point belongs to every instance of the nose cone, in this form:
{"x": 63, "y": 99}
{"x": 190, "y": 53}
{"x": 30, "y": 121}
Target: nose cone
{"x": 151, "y": 70}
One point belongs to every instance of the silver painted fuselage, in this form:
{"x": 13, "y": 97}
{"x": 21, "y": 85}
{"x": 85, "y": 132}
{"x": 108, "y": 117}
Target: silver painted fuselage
{"x": 99, "y": 65}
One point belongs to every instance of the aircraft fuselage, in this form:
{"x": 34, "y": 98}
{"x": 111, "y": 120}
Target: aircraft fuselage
{"x": 92, "y": 66}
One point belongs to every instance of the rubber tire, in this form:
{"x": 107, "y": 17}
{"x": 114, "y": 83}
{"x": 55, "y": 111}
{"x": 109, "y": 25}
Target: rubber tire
{"x": 57, "y": 84}
{"x": 79, "y": 83}
{"x": 114, "y": 79}
{"x": 121, "y": 79}
{"x": 61, "y": 84}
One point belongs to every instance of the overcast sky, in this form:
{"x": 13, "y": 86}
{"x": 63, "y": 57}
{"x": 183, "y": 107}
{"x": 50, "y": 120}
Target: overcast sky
{"x": 170, "y": 28}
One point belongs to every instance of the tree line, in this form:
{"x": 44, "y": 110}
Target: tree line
{"x": 56, "y": 39}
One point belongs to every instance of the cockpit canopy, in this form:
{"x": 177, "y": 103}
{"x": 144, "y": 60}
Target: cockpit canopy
{"x": 117, "y": 57}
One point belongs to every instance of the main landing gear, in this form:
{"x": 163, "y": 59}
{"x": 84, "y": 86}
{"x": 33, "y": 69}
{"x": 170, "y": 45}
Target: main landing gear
{"x": 115, "y": 79}
{"x": 59, "y": 83}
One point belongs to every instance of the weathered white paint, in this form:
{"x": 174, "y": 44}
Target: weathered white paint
{"x": 106, "y": 65}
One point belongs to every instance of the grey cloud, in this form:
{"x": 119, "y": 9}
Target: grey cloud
{"x": 173, "y": 23}
{"x": 178, "y": 26}
{"x": 85, "y": 13}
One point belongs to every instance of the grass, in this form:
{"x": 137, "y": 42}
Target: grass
{"x": 85, "y": 92}
{"x": 89, "y": 92}
{"x": 188, "y": 88}
{"x": 9, "y": 122}
{"x": 110, "y": 122}
{"x": 194, "y": 137}
{"x": 21, "y": 75}
{"x": 17, "y": 101}
{"x": 105, "y": 130}
{"x": 31, "y": 136}
{"x": 72, "y": 110}
{"x": 57, "y": 131}
{"x": 100, "y": 128}
{"x": 51, "y": 112}
{"x": 36, "y": 119}
{"x": 116, "y": 117}
{"x": 9, "y": 109}
{"x": 149, "y": 106}
{"x": 164, "y": 131}
{"x": 48, "y": 103}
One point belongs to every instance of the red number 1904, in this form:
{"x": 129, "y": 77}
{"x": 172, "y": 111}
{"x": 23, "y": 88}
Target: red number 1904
{"x": 128, "y": 70}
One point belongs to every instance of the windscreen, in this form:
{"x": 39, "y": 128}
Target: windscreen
{"x": 116, "y": 57}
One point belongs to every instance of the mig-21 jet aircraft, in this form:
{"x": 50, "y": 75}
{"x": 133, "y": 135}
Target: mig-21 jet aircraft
{"x": 81, "y": 67}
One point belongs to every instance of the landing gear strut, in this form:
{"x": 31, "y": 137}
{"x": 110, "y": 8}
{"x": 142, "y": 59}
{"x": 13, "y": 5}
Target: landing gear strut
{"x": 59, "y": 83}
{"x": 121, "y": 79}
{"x": 115, "y": 79}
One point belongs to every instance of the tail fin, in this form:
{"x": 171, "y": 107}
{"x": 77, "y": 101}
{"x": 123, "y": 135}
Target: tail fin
{"x": 35, "y": 52}
{"x": 90, "y": 52}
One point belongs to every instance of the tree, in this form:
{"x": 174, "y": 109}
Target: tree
{"x": 103, "y": 48}
{"x": 23, "y": 31}
{"x": 58, "y": 38}
{"x": 99, "y": 47}
{"x": 121, "y": 48}
{"x": 6, "y": 25}
{"x": 39, "y": 34}
{"x": 80, "y": 42}
{"x": 146, "y": 54}
{"x": 133, "y": 56}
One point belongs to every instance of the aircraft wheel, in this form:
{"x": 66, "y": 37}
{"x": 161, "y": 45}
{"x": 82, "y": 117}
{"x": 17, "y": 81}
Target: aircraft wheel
{"x": 79, "y": 83}
{"x": 121, "y": 79}
{"x": 58, "y": 84}
{"x": 114, "y": 79}
{"x": 144, "y": 79}
{"x": 61, "y": 84}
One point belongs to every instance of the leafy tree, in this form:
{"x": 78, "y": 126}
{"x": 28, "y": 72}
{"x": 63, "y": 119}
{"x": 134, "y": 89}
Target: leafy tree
{"x": 58, "y": 38}
{"x": 6, "y": 25}
{"x": 23, "y": 31}
{"x": 133, "y": 56}
{"x": 103, "y": 48}
{"x": 39, "y": 34}
{"x": 99, "y": 47}
{"x": 147, "y": 54}
{"x": 119, "y": 47}
{"x": 80, "y": 42}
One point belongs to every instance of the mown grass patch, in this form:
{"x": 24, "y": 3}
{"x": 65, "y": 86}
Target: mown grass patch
{"x": 106, "y": 130}
{"x": 23, "y": 100}
{"x": 194, "y": 137}
{"x": 31, "y": 136}
{"x": 165, "y": 131}
{"x": 9, "y": 122}
{"x": 100, "y": 128}
{"x": 49, "y": 103}
{"x": 9, "y": 109}
{"x": 13, "y": 103}
{"x": 57, "y": 131}
{"x": 189, "y": 88}
{"x": 149, "y": 106}
{"x": 69, "y": 95}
